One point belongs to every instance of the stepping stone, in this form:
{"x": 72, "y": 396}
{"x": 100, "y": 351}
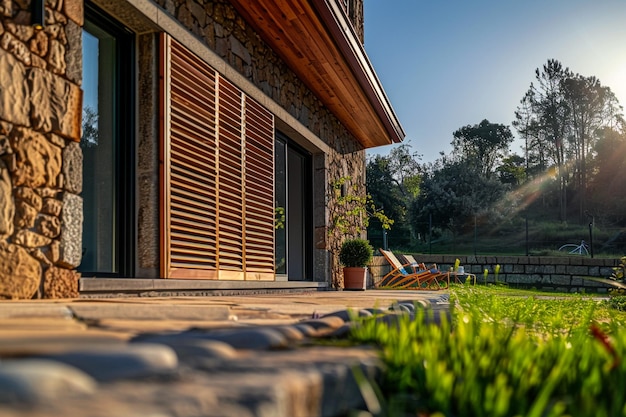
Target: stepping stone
{"x": 253, "y": 338}
{"x": 305, "y": 329}
{"x": 377, "y": 311}
{"x": 136, "y": 360}
{"x": 342, "y": 331}
{"x": 31, "y": 381}
{"x": 290, "y": 332}
{"x": 325, "y": 323}
{"x": 240, "y": 338}
{"x": 347, "y": 315}
{"x": 402, "y": 308}
{"x": 193, "y": 351}
{"x": 425, "y": 304}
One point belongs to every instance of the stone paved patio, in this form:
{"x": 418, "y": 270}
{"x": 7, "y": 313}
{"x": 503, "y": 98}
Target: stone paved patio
{"x": 189, "y": 356}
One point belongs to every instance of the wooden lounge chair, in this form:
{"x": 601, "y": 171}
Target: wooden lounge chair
{"x": 412, "y": 275}
{"x": 456, "y": 276}
{"x": 410, "y": 260}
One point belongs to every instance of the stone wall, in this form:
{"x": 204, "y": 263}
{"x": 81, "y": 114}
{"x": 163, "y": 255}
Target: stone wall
{"x": 40, "y": 128}
{"x": 355, "y": 13}
{"x": 223, "y": 30}
{"x": 40, "y": 156}
{"x": 563, "y": 274}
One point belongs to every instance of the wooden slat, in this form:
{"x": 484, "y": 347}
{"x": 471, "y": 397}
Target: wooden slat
{"x": 192, "y": 187}
{"x": 231, "y": 233}
{"x": 189, "y": 273}
{"x": 259, "y": 189}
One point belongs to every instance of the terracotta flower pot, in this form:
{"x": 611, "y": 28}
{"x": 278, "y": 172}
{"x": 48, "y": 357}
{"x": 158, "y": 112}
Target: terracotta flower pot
{"x": 354, "y": 278}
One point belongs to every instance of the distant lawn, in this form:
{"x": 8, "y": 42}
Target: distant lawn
{"x": 505, "y": 353}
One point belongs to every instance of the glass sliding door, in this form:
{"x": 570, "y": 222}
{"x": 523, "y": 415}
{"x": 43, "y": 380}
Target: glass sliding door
{"x": 280, "y": 193}
{"x": 107, "y": 146}
{"x": 293, "y": 191}
{"x": 297, "y": 215}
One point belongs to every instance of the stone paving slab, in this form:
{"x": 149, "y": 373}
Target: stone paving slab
{"x": 26, "y": 342}
{"x": 142, "y": 326}
{"x": 16, "y": 309}
{"x": 41, "y": 324}
{"x": 191, "y": 356}
{"x": 139, "y": 311}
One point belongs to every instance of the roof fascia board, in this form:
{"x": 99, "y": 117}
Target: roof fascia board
{"x": 336, "y": 21}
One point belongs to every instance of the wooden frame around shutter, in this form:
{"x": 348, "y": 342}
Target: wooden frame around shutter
{"x": 189, "y": 182}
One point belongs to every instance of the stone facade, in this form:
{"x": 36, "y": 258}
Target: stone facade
{"x": 40, "y": 127}
{"x": 40, "y": 159}
{"x": 355, "y": 13}
{"x": 224, "y": 31}
{"x": 219, "y": 26}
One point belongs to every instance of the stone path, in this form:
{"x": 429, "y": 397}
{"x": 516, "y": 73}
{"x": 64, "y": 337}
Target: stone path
{"x": 190, "y": 356}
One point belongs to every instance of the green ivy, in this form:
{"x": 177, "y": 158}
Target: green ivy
{"x": 354, "y": 209}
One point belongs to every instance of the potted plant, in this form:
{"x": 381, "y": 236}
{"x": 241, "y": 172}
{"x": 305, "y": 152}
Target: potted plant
{"x": 355, "y": 255}
{"x": 350, "y": 209}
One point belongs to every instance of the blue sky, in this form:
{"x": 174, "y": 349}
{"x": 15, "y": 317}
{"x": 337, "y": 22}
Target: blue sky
{"x": 449, "y": 63}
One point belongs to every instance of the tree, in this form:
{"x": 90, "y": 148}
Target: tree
{"x": 393, "y": 181}
{"x": 589, "y": 110}
{"x": 550, "y": 114}
{"x": 535, "y": 145}
{"x": 405, "y": 169}
{"x": 512, "y": 170}
{"x": 609, "y": 182}
{"x": 90, "y": 128}
{"x": 383, "y": 187}
{"x": 482, "y": 146}
{"x": 452, "y": 195}
{"x": 559, "y": 118}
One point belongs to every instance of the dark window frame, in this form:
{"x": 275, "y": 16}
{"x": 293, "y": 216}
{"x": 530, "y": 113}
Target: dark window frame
{"x": 307, "y": 201}
{"x": 124, "y": 146}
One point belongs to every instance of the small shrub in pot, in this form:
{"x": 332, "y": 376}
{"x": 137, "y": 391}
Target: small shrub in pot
{"x": 356, "y": 253}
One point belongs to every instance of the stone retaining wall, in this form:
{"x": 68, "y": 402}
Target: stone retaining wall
{"x": 564, "y": 274}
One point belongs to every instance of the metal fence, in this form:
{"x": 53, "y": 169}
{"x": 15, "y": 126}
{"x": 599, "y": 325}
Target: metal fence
{"x": 522, "y": 237}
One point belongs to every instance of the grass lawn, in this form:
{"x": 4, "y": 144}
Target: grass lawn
{"x": 504, "y": 353}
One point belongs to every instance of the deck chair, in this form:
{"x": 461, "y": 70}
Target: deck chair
{"x": 408, "y": 276}
{"x": 410, "y": 260}
{"x": 442, "y": 277}
{"x": 458, "y": 278}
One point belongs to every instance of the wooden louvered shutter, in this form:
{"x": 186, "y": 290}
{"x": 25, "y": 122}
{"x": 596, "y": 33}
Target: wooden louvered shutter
{"x": 259, "y": 134}
{"x": 217, "y": 174}
{"x": 189, "y": 158}
{"x": 231, "y": 182}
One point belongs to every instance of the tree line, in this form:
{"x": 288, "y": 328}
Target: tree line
{"x": 573, "y": 165}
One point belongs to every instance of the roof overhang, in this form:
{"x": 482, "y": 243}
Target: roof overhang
{"x": 317, "y": 41}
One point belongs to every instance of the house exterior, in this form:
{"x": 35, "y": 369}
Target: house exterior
{"x": 176, "y": 145}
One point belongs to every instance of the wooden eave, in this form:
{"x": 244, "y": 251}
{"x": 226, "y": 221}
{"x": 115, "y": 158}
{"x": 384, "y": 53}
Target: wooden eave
{"x": 317, "y": 41}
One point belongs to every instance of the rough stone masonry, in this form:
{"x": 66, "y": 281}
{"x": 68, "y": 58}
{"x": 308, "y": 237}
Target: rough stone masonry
{"x": 40, "y": 155}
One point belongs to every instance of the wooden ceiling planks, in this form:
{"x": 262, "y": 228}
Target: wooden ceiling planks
{"x": 296, "y": 32}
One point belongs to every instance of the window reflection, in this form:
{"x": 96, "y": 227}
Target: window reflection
{"x": 98, "y": 145}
